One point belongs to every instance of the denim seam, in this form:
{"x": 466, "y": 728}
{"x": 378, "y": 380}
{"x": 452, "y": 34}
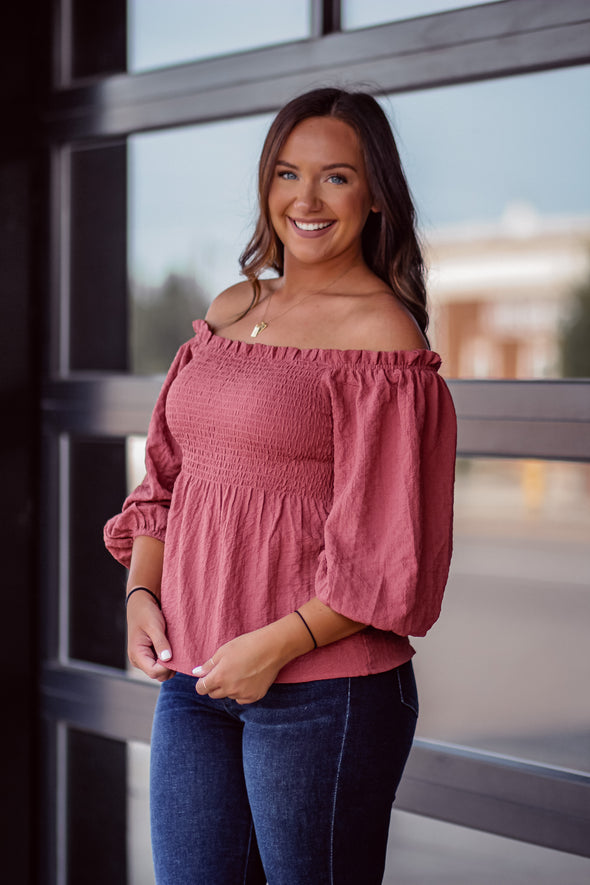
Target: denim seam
{"x": 401, "y": 695}
{"x": 337, "y": 781}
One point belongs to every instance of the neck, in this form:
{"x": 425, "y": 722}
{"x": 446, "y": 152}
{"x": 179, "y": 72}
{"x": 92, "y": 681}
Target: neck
{"x": 307, "y": 278}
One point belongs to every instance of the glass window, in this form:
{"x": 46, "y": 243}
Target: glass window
{"x": 499, "y": 173}
{"x": 364, "y": 13}
{"x": 498, "y": 170}
{"x": 192, "y": 208}
{"x": 186, "y": 30}
{"x": 422, "y": 851}
{"x": 506, "y": 667}
{"x": 96, "y": 581}
{"x": 96, "y": 830}
{"x": 98, "y": 251}
{"x": 139, "y": 850}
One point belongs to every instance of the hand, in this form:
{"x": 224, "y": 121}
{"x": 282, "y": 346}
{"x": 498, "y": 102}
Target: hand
{"x": 242, "y": 669}
{"x": 147, "y": 645}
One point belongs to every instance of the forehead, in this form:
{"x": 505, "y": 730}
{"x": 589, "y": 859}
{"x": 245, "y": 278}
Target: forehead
{"x": 323, "y": 138}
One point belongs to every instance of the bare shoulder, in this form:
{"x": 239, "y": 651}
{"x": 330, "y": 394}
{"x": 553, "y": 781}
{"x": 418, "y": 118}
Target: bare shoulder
{"x": 229, "y": 304}
{"x": 388, "y": 325}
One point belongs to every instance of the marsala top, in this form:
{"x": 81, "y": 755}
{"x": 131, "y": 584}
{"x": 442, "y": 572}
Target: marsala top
{"x": 276, "y": 474}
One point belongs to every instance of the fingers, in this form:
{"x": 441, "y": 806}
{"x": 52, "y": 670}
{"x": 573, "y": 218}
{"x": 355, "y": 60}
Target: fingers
{"x": 148, "y": 646}
{"x": 204, "y": 670}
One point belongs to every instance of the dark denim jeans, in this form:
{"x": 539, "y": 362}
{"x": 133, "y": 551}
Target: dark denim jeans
{"x": 295, "y": 789}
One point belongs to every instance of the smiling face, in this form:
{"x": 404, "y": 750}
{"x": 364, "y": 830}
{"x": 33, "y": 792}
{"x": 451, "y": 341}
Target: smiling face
{"x": 319, "y": 198}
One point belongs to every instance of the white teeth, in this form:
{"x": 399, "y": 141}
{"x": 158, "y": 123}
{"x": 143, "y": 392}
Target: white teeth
{"x": 317, "y": 226}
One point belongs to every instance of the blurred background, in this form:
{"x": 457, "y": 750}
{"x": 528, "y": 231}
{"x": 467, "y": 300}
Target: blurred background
{"x": 138, "y": 175}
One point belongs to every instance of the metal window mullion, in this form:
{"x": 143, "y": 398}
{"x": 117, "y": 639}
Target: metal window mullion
{"x": 63, "y": 578}
{"x": 326, "y": 17}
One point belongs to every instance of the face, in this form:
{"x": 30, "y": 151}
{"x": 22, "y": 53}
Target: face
{"x": 319, "y": 198}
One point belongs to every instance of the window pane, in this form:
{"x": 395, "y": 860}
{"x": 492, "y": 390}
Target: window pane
{"x": 98, "y": 249}
{"x": 192, "y": 198}
{"x": 364, "y": 13}
{"x": 506, "y": 221}
{"x": 96, "y": 580}
{"x": 506, "y": 668}
{"x": 139, "y": 850}
{"x": 499, "y": 173}
{"x": 96, "y": 810}
{"x": 186, "y": 30}
{"x": 422, "y": 851}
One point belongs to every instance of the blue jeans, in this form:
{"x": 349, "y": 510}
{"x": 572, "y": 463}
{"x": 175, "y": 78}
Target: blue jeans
{"x": 295, "y": 789}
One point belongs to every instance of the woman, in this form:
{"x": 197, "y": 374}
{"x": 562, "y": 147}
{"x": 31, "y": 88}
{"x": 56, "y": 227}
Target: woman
{"x": 294, "y": 524}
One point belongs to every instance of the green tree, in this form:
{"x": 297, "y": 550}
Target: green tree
{"x": 575, "y": 335}
{"x": 161, "y": 320}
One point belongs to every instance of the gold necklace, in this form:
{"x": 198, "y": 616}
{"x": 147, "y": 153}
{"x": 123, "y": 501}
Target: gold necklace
{"x": 264, "y": 323}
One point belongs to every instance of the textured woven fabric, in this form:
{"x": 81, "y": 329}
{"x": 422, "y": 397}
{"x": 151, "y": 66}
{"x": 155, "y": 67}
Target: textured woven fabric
{"x": 275, "y": 475}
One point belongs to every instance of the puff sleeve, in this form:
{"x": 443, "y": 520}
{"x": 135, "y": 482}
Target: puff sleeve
{"x": 145, "y": 511}
{"x": 388, "y": 535}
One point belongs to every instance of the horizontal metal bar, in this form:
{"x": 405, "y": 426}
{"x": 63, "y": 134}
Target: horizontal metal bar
{"x": 99, "y": 700}
{"x": 498, "y": 39}
{"x": 509, "y": 797}
{"x": 95, "y": 405}
{"x": 546, "y": 400}
{"x": 533, "y": 419}
{"x": 485, "y": 791}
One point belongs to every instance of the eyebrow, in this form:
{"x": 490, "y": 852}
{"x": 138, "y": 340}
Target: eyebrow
{"x": 324, "y": 168}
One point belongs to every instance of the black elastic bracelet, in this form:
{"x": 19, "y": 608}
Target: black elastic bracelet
{"x": 297, "y": 612}
{"x": 135, "y": 589}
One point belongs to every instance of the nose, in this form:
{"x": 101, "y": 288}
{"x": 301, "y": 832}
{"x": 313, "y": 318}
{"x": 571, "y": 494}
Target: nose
{"x": 308, "y": 198}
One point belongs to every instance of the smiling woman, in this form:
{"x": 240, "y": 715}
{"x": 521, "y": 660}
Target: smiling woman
{"x": 279, "y": 548}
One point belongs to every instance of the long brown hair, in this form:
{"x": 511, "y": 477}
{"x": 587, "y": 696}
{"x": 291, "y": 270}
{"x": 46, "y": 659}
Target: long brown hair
{"x": 389, "y": 241}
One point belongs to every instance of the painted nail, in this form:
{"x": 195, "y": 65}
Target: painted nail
{"x": 197, "y": 671}
{"x": 165, "y": 655}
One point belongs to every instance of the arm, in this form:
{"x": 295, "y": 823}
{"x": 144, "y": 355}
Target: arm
{"x": 246, "y": 667}
{"x": 147, "y": 645}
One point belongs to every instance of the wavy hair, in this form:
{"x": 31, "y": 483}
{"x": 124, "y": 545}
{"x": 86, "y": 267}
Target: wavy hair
{"x": 389, "y": 240}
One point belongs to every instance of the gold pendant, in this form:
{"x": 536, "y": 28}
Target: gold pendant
{"x": 258, "y": 328}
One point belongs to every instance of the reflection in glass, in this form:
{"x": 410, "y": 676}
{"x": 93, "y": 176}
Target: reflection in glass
{"x": 186, "y": 30}
{"x": 192, "y": 207}
{"x": 422, "y": 851}
{"x": 96, "y": 616}
{"x": 96, "y": 809}
{"x": 506, "y": 667}
{"x": 503, "y": 200}
{"x": 139, "y": 851}
{"x": 499, "y": 174}
{"x": 364, "y": 13}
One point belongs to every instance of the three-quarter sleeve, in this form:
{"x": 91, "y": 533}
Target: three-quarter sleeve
{"x": 145, "y": 511}
{"x": 388, "y": 535}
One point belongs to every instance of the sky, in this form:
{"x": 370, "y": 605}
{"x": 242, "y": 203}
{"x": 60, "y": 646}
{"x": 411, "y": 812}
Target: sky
{"x": 469, "y": 151}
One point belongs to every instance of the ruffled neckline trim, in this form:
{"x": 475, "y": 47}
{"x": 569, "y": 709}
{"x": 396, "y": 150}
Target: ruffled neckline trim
{"x": 418, "y": 359}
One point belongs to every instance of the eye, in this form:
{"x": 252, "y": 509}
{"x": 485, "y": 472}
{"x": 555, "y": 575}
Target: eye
{"x": 286, "y": 175}
{"x": 336, "y": 178}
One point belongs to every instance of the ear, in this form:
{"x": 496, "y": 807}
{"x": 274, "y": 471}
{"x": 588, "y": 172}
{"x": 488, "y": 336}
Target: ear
{"x": 376, "y": 208}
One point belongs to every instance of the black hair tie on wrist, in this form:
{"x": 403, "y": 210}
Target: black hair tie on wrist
{"x": 145, "y": 589}
{"x": 297, "y": 612}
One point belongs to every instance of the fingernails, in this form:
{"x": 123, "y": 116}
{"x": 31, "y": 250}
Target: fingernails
{"x": 165, "y": 655}
{"x": 197, "y": 671}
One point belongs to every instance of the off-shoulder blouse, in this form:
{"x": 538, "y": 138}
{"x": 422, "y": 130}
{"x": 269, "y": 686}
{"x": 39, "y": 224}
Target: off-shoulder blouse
{"x": 276, "y": 474}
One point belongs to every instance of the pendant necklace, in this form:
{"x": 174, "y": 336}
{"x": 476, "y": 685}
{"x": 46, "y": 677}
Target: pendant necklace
{"x": 264, "y": 323}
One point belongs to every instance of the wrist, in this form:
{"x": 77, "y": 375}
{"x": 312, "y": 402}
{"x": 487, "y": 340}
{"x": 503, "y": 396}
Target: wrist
{"x": 145, "y": 591}
{"x": 289, "y": 639}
